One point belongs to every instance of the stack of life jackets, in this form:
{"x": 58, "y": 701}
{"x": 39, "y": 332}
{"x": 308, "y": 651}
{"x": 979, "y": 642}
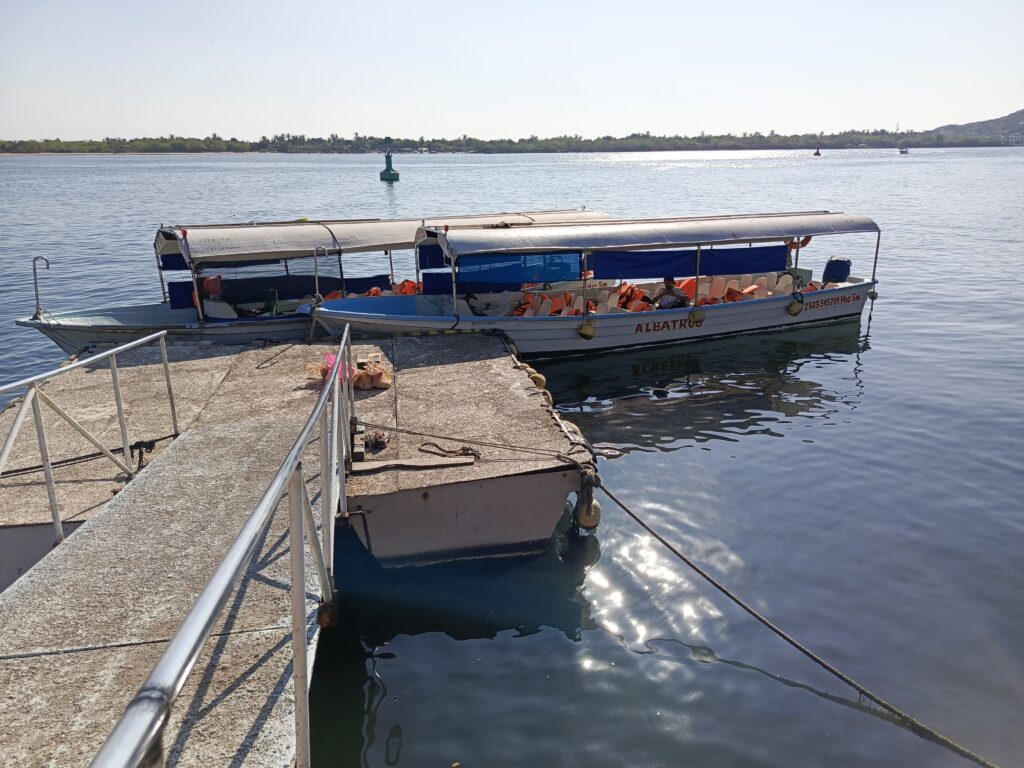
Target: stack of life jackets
{"x": 558, "y": 303}
{"x": 633, "y": 299}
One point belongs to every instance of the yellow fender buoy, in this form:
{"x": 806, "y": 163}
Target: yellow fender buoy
{"x": 547, "y": 397}
{"x": 586, "y": 330}
{"x": 538, "y": 379}
{"x": 697, "y": 315}
{"x": 872, "y": 294}
{"x": 588, "y": 519}
{"x": 796, "y": 306}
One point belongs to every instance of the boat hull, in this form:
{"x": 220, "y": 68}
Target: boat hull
{"x": 548, "y": 336}
{"x": 75, "y": 337}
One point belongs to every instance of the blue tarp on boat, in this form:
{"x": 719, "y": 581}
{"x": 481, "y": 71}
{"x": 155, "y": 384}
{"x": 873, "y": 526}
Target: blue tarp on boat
{"x": 491, "y": 268}
{"x": 617, "y": 265}
{"x": 440, "y": 284}
{"x": 430, "y": 256}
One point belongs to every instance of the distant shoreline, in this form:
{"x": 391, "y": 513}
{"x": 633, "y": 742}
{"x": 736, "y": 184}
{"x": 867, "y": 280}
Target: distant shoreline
{"x": 749, "y": 148}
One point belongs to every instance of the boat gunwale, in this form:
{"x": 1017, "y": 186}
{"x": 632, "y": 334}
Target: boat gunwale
{"x": 325, "y": 311}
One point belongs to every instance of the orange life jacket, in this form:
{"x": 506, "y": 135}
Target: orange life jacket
{"x": 688, "y": 286}
{"x": 558, "y": 303}
{"x": 406, "y": 288}
{"x": 211, "y": 286}
{"x": 375, "y": 291}
{"x": 525, "y": 303}
{"x": 629, "y": 295}
{"x": 334, "y": 295}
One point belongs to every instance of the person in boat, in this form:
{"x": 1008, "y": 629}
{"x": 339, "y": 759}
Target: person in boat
{"x": 670, "y": 297}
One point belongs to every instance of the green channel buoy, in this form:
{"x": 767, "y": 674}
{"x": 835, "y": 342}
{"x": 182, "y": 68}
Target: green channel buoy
{"x": 389, "y": 173}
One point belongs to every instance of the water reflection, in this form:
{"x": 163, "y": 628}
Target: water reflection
{"x": 464, "y": 600}
{"x": 718, "y": 389}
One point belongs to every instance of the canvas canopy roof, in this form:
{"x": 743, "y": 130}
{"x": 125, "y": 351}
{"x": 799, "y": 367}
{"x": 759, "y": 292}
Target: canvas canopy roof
{"x": 225, "y": 244}
{"x": 637, "y": 234}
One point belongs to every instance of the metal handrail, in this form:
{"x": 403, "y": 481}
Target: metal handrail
{"x": 137, "y": 735}
{"x": 79, "y": 363}
{"x": 35, "y": 396}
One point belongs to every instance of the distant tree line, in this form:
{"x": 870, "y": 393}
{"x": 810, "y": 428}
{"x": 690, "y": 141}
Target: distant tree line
{"x": 635, "y": 142}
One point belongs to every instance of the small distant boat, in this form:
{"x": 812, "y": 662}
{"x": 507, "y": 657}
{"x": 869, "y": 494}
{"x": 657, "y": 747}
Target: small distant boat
{"x": 559, "y": 290}
{"x": 817, "y": 151}
{"x": 904, "y": 150}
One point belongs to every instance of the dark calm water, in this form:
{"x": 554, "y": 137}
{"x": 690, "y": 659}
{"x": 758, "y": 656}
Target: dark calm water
{"x": 860, "y": 483}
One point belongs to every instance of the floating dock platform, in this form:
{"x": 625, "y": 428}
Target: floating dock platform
{"x": 83, "y": 627}
{"x": 447, "y": 483}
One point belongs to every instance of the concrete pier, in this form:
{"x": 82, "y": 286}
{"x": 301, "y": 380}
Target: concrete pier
{"x": 81, "y": 629}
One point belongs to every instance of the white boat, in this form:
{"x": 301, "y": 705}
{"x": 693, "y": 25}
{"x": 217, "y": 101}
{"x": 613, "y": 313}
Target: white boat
{"x": 238, "y": 283}
{"x": 753, "y": 259}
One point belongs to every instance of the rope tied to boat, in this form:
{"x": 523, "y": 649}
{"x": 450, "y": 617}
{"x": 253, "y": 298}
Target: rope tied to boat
{"x": 914, "y": 725}
{"x": 593, "y": 479}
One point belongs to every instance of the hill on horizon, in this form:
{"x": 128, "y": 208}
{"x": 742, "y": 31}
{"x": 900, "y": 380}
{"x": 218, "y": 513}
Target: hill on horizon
{"x": 998, "y": 127}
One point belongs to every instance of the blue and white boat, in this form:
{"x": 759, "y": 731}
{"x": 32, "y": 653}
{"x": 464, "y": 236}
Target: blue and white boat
{"x": 745, "y": 275}
{"x": 238, "y": 283}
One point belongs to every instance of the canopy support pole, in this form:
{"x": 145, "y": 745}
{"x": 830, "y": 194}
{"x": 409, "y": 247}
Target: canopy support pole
{"x": 874, "y": 267}
{"x": 341, "y": 274}
{"x": 586, "y": 283}
{"x": 199, "y": 296}
{"x": 159, "y": 271}
{"x": 696, "y": 285}
{"x": 316, "y": 272}
{"x": 455, "y": 298}
{"x": 391, "y": 264}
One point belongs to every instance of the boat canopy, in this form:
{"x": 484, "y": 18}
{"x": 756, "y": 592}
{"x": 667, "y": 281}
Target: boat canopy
{"x": 639, "y": 234}
{"x": 234, "y": 244}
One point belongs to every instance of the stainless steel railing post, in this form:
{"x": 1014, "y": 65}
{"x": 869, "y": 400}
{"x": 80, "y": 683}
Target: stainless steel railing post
{"x": 336, "y": 481}
{"x": 296, "y": 539}
{"x": 314, "y": 547}
{"x": 326, "y": 473}
{"x": 44, "y": 454}
{"x": 349, "y": 398}
{"x": 120, "y": 414}
{"x": 19, "y": 417}
{"x": 170, "y": 389}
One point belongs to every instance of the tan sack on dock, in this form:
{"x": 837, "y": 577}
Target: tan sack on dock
{"x": 379, "y": 376}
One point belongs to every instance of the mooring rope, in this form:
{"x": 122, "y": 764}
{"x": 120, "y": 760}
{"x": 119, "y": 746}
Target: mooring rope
{"x": 916, "y": 726}
{"x": 547, "y": 452}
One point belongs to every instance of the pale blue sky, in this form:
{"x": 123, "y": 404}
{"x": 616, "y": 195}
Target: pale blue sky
{"x": 113, "y": 68}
